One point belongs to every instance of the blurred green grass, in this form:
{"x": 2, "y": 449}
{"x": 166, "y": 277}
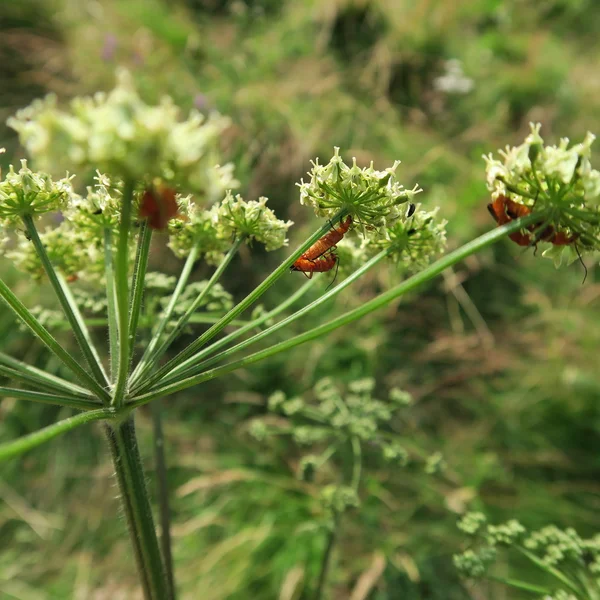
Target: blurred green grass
{"x": 509, "y": 397}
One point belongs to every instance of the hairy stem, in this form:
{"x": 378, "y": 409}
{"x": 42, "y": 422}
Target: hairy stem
{"x": 68, "y": 305}
{"x": 163, "y": 494}
{"x": 136, "y": 503}
{"x": 45, "y": 398}
{"x": 378, "y": 302}
{"x": 50, "y": 342}
{"x": 137, "y": 283}
{"x": 146, "y": 360}
{"x": 28, "y": 442}
{"x": 182, "y": 322}
{"x": 192, "y": 366}
{"x": 45, "y": 381}
{"x": 111, "y": 300}
{"x": 250, "y": 299}
{"x": 122, "y": 291}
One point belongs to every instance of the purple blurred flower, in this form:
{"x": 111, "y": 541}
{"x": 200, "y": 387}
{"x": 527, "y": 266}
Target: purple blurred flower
{"x": 110, "y": 47}
{"x": 200, "y": 101}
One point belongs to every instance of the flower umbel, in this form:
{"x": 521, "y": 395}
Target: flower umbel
{"x": 372, "y": 197}
{"x": 118, "y": 133}
{"x": 29, "y": 193}
{"x": 234, "y": 217}
{"x": 559, "y": 183}
{"x": 570, "y": 560}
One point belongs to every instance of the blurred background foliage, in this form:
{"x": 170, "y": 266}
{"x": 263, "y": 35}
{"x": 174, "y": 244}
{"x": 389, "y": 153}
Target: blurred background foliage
{"x": 500, "y": 355}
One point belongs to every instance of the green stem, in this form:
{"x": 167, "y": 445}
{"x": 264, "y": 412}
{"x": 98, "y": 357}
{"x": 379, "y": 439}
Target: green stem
{"x": 551, "y": 570}
{"x": 382, "y": 300}
{"x": 250, "y": 299}
{"x": 137, "y": 282}
{"x": 50, "y": 342}
{"x": 44, "y": 386}
{"x": 182, "y": 322}
{"x": 136, "y": 503}
{"x": 163, "y": 494}
{"x": 122, "y": 290}
{"x": 28, "y": 442}
{"x": 39, "y": 377}
{"x": 68, "y": 304}
{"x": 146, "y": 361}
{"x": 205, "y": 318}
{"x": 111, "y": 300}
{"x": 192, "y": 366}
{"x": 44, "y": 398}
{"x": 327, "y": 555}
{"x": 521, "y": 585}
{"x": 356, "y": 462}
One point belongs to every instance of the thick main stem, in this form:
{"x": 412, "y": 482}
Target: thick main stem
{"x": 136, "y": 504}
{"x": 163, "y": 494}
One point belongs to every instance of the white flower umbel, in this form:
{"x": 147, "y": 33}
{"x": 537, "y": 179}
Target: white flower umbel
{"x": 118, "y": 133}
{"x": 234, "y": 217}
{"x": 28, "y": 193}
{"x": 373, "y": 198}
{"x": 559, "y": 183}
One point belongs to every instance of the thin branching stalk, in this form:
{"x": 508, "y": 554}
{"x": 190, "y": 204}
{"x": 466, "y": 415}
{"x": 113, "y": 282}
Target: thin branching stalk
{"x": 121, "y": 268}
{"x": 356, "y": 462}
{"x": 162, "y": 486}
{"x": 28, "y": 442}
{"x": 111, "y": 301}
{"x": 136, "y": 503}
{"x": 327, "y": 557}
{"x": 380, "y": 301}
{"x": 146, "y": 360}
{"x": 183, "y": 320}
{"x": 250, "y": 325}
{"x": 250, "y": 299}
{"x": 137, "y": 282}
{"x": 64, "y": 400}
{"x": 193, "y": 366}
{"x": 521, "y": 585}
{"x": 33, "y": 374}
{"x": 37, "y": 383}
{"x": 68, "y": 304}
{"x": 50, "y": 342}
{"x": 208, "y": 318}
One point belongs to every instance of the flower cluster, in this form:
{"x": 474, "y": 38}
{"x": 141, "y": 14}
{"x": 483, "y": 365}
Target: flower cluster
{"x": 414, "y": 241}
{"x": 573, "y": 561}
{"x": 214, "y": 230}
{"x": 26, "y": 193}
{"x": 234, "y": 217}
{"x": 373, "y": 198}
{"x": 76, "y": 245}
{"x": 559, "y": 183}
{"x": 335, "y": 416}
{"x": 382, "y": 210}
{"x": 118, "y": 133}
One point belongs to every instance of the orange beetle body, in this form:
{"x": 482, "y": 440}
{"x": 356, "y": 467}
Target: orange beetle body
{"x": 327, "y": 242}
{"x": 321, "y": 264}
{"x": 159, "y": 206}
{"x": 504, "y": 210}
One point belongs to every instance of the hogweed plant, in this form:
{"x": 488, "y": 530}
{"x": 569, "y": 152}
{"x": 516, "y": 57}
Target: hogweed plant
{"x": 149, "y": 170}
{"x": 568, "y": 565}
{"x": 324, "y": 426}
